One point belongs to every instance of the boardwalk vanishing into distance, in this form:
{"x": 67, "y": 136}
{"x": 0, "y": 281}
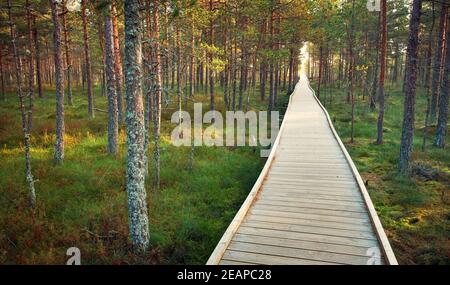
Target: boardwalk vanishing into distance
{"x": 309, "y": 206}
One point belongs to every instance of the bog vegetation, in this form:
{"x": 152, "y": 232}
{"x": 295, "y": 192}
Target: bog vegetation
{"x": 88, "y": 89}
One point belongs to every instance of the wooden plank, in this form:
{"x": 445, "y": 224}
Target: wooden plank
{"x": 313, "y": 206}
{"x": 310, "y": 195}
{"x": 310, "y": 229}
{"x": 323, "y": 182}
{"x": 301, "y": 244}
{"x": 299, "y": 253}
{"x": 232, "y": 262}
{"x": 305, "y": 216}
{"x": 303, "y": 175}
{"x": 317, "y": 222}
{"x": 265, "y": 259}
{"x": 353, "y": 203}
{"x": 308, "y": 237}
{"x": 320, "y": 190}
{"x": 286, "y": 211}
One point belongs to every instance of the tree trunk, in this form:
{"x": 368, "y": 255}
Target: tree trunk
{"x": 157, "y": 97}
{"x": 117, "y": 62}
{"x": 37, "y": 49}
{"x": 429, "y": 51}
{"x": 137, "y": 204}
{"x": 320, "y": 71}
{"x": 438, "y": 64}
{"x": 242, "y": 72}
{"x": 25, "y": 128}
{"x": 192, "y": 61}
{"x": 410, "y": 88}
{"x": 87, "y": 57}
{"x": 352, "y": 72}
{"x": 30, "y": 65}
{"x": 2, "y": 75}
{"x": 113, "y": 119}
{"x": 68, "y": 58}
{"x": 179, "y": 90}
{"x": 211, "y": 71}
{"x": 383, "y": 51}
{"x": 443, "y": 101}
{"x": 59, "y": 78}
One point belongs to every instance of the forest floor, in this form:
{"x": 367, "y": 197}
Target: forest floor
{"x": 415, "y": 212}
{"x": 83, "y": 202}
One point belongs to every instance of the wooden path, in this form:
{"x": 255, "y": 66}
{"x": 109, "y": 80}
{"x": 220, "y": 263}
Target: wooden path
{"x": 309, "y": 205}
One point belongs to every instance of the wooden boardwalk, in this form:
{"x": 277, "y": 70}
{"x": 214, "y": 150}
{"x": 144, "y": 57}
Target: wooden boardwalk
{"x": 309, "y": 205}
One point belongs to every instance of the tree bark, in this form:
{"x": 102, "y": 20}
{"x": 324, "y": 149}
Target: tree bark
{"x": 438, "y": 64}
{"x": 383, "y": 51}
{"x": 137, "y": 204}
{"x": 30, "y": 65}
{"x": 117, "y": 62}
{"x": 158, "y": 93}
{"x": 25, "y": 128}
{"x": 113, "y": 119}
{"x": 410, "y": 89}
{"x": 211, "y": 71}
{"x": 2, "y": 75}
{"x": 38, "y": 59}
{"x": 59, "y": 79}
{"x": 352, "y": 72}
{"x": 87, "y": 57}
{"x": 444, "y": 98}
{"x": 320, "y": 71}
{"x": 68, "y": 57}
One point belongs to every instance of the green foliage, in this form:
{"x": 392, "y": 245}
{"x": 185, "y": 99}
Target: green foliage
{"x": 83, "y": 202}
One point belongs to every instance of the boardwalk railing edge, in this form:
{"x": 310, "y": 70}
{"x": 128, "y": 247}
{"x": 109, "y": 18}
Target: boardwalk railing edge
{"x": 224, "y": 242}
{"x": 379, "y": 231}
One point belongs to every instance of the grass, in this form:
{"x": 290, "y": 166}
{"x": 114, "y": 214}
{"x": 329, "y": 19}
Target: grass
{"x": 83, "y": 202}
{"x": 415, "y": 211}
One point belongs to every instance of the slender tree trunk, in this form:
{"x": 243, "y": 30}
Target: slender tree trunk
{"x": 320, "y": 71}
{"x": 435, "y": 83}
{"x": 192, "y": 61}
{"x": 2, "y": 75}
{"x": 87, "y": 58}
{"x": 352, "y": 72}
{"x": 410, "y": 88}
{"x": 179, "y": 90}
{"x": 429, "y": 51}
{"x": 443, "y": 101}
{"x": 38, "y": 58}
{"x": 68, "y": 57}
{"x": 211, "y": 71}
{"x": 59, "y": 78}
{"x": 234, "y": 71}
{"x": 117, "y": 62}
{"x": 291, "y": 70}
{"x": 113, "y": 119}
{"x": 157, "y": 97}
{"x": 25, "y": 128}
{"x": 383, "y": 51}
{"x": 242, "y": 72}
{"x": 30, "y": 65}
{"x": 137, "y": 204}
